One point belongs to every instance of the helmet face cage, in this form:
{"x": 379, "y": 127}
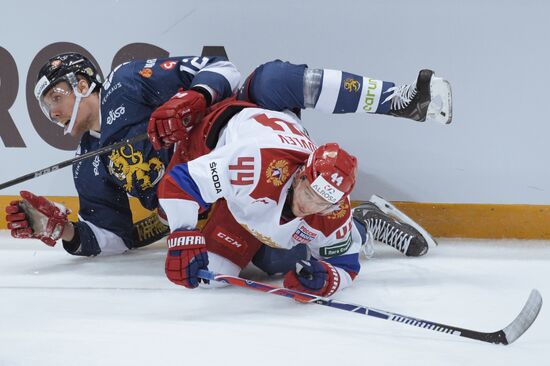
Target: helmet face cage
{"x": 65, "y": 67}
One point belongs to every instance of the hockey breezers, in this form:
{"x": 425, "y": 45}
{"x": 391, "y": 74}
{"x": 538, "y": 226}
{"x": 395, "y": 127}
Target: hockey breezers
{"x": 504, "y": 336}
{"x": 63, "y": 164}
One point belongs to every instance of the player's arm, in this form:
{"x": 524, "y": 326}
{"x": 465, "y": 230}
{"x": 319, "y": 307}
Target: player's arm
{"x": 159, "y": 79}
{"x": 104, "y": 225}
{"x": 334, "y": 263}
{"x": 180, "y": 89}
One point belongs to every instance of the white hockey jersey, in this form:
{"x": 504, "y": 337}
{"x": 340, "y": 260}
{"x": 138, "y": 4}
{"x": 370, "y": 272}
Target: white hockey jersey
{"x": 252, "y": 168}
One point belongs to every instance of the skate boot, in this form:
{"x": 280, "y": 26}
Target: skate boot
{"x": 390, "y": 231}
{"x": 429, "y": 98}
{"x": 367, "y": 241}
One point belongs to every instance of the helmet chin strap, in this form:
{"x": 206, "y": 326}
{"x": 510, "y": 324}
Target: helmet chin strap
{"x": 79, "y": 97}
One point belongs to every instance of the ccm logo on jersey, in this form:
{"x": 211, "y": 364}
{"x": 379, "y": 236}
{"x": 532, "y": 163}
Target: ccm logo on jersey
{"x": 215, "y": 177}
{"x": 226, "y": 238}
{"x": 186, "y": 240}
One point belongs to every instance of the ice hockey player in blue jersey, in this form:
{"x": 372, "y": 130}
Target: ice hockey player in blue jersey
{"x": 72, "y": 95}
{"x": 165, "y": 97}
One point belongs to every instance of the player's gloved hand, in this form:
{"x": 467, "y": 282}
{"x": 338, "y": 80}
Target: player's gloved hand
{"x": 186, "y": 255}
{"x": 170, "y": 122}
{"x": 36, "y": 217}
{"x": 314, "y": 277}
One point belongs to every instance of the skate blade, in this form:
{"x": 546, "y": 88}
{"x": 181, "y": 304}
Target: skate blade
{"x": 391, "y": 210}
{"x": 440, "y": 109}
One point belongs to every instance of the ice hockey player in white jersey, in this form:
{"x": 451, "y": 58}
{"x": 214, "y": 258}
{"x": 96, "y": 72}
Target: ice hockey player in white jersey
{"x": 272, "y": 186}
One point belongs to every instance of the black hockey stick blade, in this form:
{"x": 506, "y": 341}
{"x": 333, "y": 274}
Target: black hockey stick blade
{"x": 63, "y": 164}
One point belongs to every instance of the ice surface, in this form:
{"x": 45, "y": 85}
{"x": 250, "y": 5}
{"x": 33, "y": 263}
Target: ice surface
{"x": 57, "y": 309}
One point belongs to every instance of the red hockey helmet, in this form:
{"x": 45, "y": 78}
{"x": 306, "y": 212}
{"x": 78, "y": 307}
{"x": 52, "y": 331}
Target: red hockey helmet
{"x": 331, "y": 172}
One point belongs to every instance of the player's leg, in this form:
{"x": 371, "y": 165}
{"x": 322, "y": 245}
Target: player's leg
{"x": 428, "y": 98}
{"x": 230, "y": 246}
{"x": 367, "y": 241}
{"x": 392, "y": 227}
{"x": 279, "y": 85}
{"x": 333, "y": 91}
{"x": 275, "y": 261}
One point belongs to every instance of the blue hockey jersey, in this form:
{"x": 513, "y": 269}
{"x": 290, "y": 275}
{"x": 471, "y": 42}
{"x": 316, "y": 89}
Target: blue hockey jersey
{"x": 128, "y": 96}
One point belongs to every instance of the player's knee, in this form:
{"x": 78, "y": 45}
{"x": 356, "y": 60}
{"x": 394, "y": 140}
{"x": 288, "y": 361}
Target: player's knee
{"x": 271, "y": 91}
{"x": 222, "y": 265}
{"x": 278, "y": 261}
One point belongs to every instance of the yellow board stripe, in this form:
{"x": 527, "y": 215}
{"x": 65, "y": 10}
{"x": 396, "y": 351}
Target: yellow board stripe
{"x": 491, "y": 221}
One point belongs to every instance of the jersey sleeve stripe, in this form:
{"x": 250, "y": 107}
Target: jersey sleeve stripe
{"x": 180, "y": 174}
{"x": 329, "y": 91}
{"x": 188, "y": 70}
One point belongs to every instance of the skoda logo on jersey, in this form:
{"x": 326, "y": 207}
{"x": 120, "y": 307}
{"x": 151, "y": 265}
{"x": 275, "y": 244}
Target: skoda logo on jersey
{"x": 215, "y": 177}
{"x": 115, "y": 114}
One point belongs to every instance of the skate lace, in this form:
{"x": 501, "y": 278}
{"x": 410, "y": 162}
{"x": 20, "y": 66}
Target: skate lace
{"x": 401, "y": 95}
{"x": 385, "y": 232}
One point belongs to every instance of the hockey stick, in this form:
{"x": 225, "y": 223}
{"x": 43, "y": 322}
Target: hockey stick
{"x": 504, "y": 336}
{"x": 65, "y": 163}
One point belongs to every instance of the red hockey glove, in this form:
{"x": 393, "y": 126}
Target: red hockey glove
{"x": 186, "y": 255}
{"x": 169, "y": 122}
{"x": 314, "y": 277}
{"x": 36, "y": 217}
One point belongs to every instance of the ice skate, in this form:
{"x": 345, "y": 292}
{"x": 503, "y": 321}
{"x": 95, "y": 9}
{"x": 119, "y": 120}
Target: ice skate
{"x": 427, "y": 99}
{"x": 385, "y": 226}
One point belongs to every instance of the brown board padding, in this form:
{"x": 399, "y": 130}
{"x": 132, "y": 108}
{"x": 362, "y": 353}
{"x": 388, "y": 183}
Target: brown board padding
{"x": 464, "y": 220}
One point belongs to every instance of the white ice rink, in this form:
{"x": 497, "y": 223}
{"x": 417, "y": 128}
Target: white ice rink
{"x": 57, "y": 309}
